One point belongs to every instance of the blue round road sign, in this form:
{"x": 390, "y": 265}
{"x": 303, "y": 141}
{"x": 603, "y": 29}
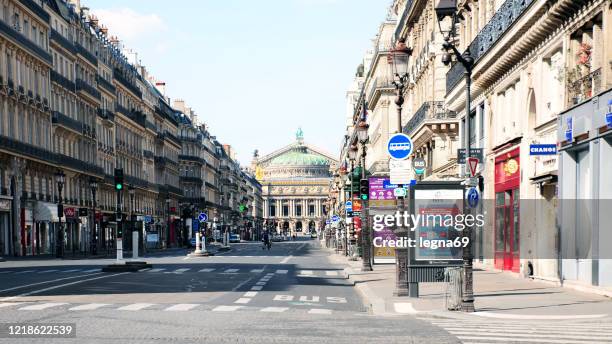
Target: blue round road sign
{"x": 399, "y": 146}
{"x": 472, "y": 198}
{"x": 335, "y": 218}
{"x": 203, "y": 217}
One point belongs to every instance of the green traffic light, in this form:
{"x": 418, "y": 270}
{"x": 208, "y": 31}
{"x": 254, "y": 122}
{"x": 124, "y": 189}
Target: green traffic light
{"x": 119, "y": 186}
{"x": 364, "y": 197}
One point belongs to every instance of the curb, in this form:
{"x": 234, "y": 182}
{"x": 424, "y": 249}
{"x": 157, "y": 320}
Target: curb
{"x": 375, "y": 305}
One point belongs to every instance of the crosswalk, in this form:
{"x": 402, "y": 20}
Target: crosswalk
{"x": 144, "y": 307}
{"x": 183, "y": 270}
{"x": 480, "y": 330}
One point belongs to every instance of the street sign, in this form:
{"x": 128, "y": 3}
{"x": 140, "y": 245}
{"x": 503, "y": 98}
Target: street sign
{"x": 609, "y": 114}
{"x": 148, "y": 218}
{"x": 569, "y": 129}
{"x": 399, "y": 146}
{"x": 349, "y": 206}
{"x": 419, "y": 164}
{"x": 399, "y": 192}
{"x": 399, "y": 171}
{"x": 387, "y": 184}
{"x": 472, "y": 198}
{"x": 474, "y": 152}
{"x": 335, "y": 218}
{"x": 327, "y": 222}
{"x": 473, "y": 166}
{"x": 203, "y": 217}
{"x": 543, "y": 149}
{"x": 69, "y": 212}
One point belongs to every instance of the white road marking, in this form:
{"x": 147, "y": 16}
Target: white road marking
{"x": 157, "y": 270}
{"x": 274, "y": 309}
{"x": 305, "y": 273}
{"x": 284, "y": 261}
{"x": 241, "y": 284}
{"x": 6, "y": 272}
{"x": 231, "y": 270}
{"x": 282, "y": 272}
{"x": 89, "y": 306}
{"x": 42, "y": 306}
{"x": 243, "y": 300}
{"x": 266, "y": 278}
{"x": 182, "y": 307}
{"x": 331, "y": 273}
{"x": 92, "y": 270}
{"x": 261, "y": 283}
{"x": 538, "y": 317}
{"x": 55, "y": 287}
{"x": 257, "y": 271}
{"x": 135, "y": 307}
{"x": 404, "y": 308}
{"x": 320, "y": 311}
{"x": 305, "y": 299}
{"x": 257, "y": 287}
{"x": 47, "y": 271}
{"x": 332, "y": 299}
{"x": 24, "y": 272}
{"x": 179, "y": 271}
{"x": 283, "y": 298}
{"x": 226, "y": 308}
{"x": 207, "y": 270}
{"x": 73, "y": 270}
{"x": 250, "y": 294}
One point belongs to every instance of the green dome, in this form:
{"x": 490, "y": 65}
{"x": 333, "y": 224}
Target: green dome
{"x": 299, "y": 157}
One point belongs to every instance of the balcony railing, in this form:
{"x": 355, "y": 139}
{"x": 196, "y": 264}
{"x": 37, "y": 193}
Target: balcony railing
{"x": 25, "y": 43}
{"x": 118, "y": 75}
{"x": 86, "y": 54}
{"x": 172, "y": 137}
{"x": 135, "y": 116}
{"x": 197, "y": 180}
{"x": 105, "y": 84}
{"x": 191, "y": 158}
{"x": 106, "y": 114}
{"x": 78, "y": 164}
{"x": 378, "y": 85}
{"x": 174, "y": 189}
{"x": 147, "y": 154}
{"x": 65, "y": 121}
{"x": 428, "y": 112}
{"x": 403, "y": 18}
{"x": 584, "y": 88}
{"x": 36, "y": 8}
{"x": 62, "y": 41}
{"x": 62, "y": 81}
{"x": 81, "y": 85}
{"x": 501, "y": 21}
{"x": 25, "y": 149}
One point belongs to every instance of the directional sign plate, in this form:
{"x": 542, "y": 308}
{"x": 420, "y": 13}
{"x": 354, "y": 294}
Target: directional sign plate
{"x": 203, "y": 217}
{"x": 399, "y": 146}
{"x": 473, "y": 198}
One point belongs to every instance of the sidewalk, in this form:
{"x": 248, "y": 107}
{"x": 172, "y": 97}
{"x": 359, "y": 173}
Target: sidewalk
{"x": 497, "y": 295}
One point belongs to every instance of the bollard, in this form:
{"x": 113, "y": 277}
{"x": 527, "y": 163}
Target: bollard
{"x": 134, "y": 245}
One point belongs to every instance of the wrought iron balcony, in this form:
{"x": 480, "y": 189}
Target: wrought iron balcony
{"x": 174, "y": 189}
{"x": 135, "y": 181}
{"x": 197, "y": 180}
{"x": 428, "y": 112}
{"x": 78, "y": 164}
{"x": 62, "y": 41}
{"x": 105, "y": 84}
{"x": 106, "y": 114}
{"x": 25, "y": 43}
{"x": 134, "y": 115}
{"x": 80, "y": 50}
{"x": 163, "y": 161}
{"x": 172, "y": 137}
{"x": 147, "y": 154}
{"x": 20, "y": 148}
{"x": 118, "y": 75}
{"x": 62, "y": 81}
{"x": 377, "y": 87}
{"x": 81, "y": 85}
{"x": 402, "y": 22}
{"x": 150, "y": 125}
{"x": 583, "y": 88}
{"x": 191, "y": 158}
{"x": 65, "y": 121}
{"x": 36, "y": 8}
{"x": 501, "y": 21}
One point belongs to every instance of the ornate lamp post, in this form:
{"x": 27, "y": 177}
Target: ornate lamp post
{"x": 399, "y": 70}
{"x": 448, "y": 8}
{"x": 362, "y": 136}
{"x": 93, "y": 184}
{"x": 60, "y": 179}
{"x": 352, "y": 155}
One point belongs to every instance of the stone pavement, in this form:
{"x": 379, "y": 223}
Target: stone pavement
{"x": 497, "y": 295}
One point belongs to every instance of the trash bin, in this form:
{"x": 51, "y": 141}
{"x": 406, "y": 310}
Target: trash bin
{"x": 453, "y": 278}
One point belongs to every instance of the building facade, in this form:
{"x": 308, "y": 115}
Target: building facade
{"x": 295, "y": 184}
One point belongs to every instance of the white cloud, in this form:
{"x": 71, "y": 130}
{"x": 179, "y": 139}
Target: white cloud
{"x": 130, "y": 25}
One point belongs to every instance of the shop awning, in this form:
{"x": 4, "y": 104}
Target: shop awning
{"x": 46, "y": 212}
{"x": 545, "y": 178}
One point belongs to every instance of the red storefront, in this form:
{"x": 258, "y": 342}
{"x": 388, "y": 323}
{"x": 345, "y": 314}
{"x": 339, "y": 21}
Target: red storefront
{"x": 507, "y": 210}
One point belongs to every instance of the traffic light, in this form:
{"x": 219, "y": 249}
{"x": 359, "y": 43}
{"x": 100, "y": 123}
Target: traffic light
{"x": 118, "y": 179}
{"x": 242, "y": 208}
{"x": 364, "y": 189}
{"x": 119, "y": 230}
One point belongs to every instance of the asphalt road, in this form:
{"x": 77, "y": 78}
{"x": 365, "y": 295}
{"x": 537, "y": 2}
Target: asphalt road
{"x": 290, "y": 294}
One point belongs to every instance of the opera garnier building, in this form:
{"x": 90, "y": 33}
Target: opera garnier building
{"x": 295, "y": 183}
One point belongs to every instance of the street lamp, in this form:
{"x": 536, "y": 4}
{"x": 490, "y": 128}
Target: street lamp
{"x": 362, "y": 136}
{"x": 448, "y": 8}
{"x": 60, "y": 179}
{"x": 167, "y": 221}
{"x": 93, "y": 184}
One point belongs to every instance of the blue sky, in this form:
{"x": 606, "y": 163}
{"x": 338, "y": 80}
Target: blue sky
{"x": 253, "y": 70}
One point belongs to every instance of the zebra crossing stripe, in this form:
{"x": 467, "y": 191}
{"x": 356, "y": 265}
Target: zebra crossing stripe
{"x": 231, "y": 270}
{"x": 282, "y": 272}
{"x": 180, "y": 271}
{"x": 181, "y": 307}
{"x": 331, "y": 273}
{"x": 89, "y": 306}
{"x": 135, "y": 306}
{"x": 257, "y": 287}
{"x": 319, "y": 311}
{"x": 157, "y": 270}
{"x": 257, "y": 270}
{"x": 226, "y": 308}
{"x": 47, "y": 271}
{"x": 24, "y": 272}
{"x": 305, "y": 273}
{"x": 250, "y": 294}
{"x": 42, "y": 306}
{"x": 207, "y": 270}
{"x": 243, "y": 300}
{"x": 92, "y": 270}
{"x": 5, "y": 272}
{"x": 274, "y": 309}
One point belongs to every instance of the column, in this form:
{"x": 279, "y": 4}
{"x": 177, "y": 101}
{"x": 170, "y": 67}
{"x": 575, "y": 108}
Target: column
{"x": 265, "y": 210}
{"x": 279, "y": 208}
